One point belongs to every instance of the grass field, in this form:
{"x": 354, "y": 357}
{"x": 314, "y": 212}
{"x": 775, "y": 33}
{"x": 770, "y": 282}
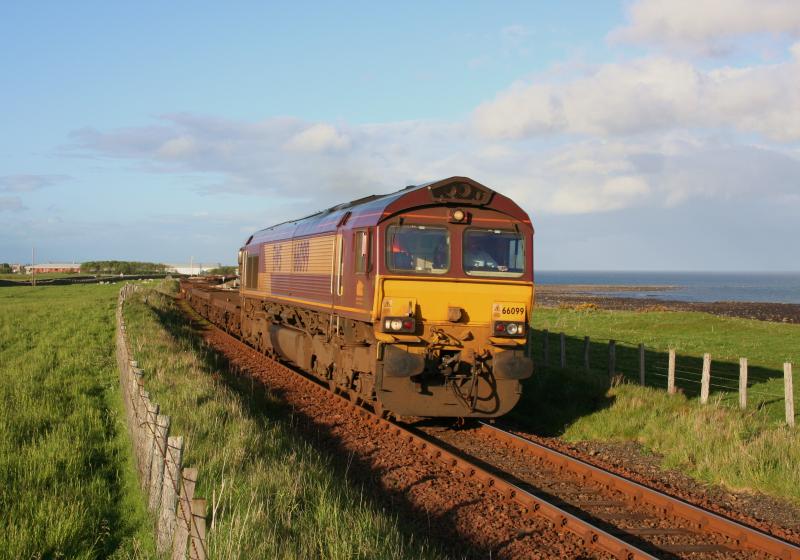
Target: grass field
{"x": 42, "y": 276}
{"x": 67, "y": 481}
{"x": 718, "y": 443}
{"x": 273, "y": 495}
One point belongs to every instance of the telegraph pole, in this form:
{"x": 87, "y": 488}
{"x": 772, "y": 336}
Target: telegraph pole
{"x": 33, "y": 266}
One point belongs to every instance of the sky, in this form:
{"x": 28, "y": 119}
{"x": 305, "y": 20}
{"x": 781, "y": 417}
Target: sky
{"x": 638, "y": 135}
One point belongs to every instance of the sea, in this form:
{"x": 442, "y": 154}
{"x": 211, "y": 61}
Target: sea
{"x": 775, "y": 287}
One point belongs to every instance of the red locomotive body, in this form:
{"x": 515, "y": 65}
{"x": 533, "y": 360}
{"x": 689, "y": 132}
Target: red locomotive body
{"x": 416, "y": 301}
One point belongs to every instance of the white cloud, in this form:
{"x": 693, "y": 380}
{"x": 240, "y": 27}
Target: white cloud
{"x": 11, "y": 204}
{"x": 656, "y": 169}
{"x": 611, "y": 194}
{"x": 320, "y": 137}
{"x": 706, "y": 25}
{"x": 514, "y": 33}
{"x": 652, "y": 132}
{"x": 654, "y": 93}
{"x": 178, "y": 147}
{"x": 28, "y": 182}
{"x": 282, "y": 157}
{"x": 631, "y": 142}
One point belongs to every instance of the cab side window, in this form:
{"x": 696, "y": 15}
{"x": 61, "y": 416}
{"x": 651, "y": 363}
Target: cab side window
{"x": 363, "y": 246}
{"x": 251, "y": 271}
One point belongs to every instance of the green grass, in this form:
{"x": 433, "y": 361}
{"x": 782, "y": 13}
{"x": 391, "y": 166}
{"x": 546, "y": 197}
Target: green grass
{"x": 712, "y": 443}
{"x": 716, "y": 443}
{"x": 67, "y": 480}
{"x": 41, "y": 276}
{"x": 766, "y": 345}
{"x": 726, "y": 338}
{"x": 272, "y": 493}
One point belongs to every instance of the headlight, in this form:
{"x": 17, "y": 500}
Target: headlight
{"x": 503, "y": 328}
{"x": 399, "y": 324}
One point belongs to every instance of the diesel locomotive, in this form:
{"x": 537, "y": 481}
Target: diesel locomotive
{"x": 415, "y": 302}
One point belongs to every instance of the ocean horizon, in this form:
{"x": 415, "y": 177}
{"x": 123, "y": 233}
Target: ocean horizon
{"x": 772, "y": 287}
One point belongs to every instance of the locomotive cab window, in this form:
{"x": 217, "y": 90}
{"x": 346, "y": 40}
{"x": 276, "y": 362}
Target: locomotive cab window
{"x": 363, "y": 246}
{"x": 418, "y": 249}
{"x": 494, "y": 252}
{"x": 251, "y": 271}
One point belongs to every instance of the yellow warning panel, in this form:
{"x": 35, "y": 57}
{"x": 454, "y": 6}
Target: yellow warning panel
{"x": 396, "y": 306}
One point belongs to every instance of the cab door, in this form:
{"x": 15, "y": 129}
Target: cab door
{"x": 363, "y": 273}
{"x": 338, "y": 280}
{"x": 337, "y": 286}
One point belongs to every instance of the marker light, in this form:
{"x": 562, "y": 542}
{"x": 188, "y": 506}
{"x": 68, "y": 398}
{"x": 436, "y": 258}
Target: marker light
{"x": 503, "y": 328}
{"x": 399, "y": 324}
{"x": 459, "y": 216}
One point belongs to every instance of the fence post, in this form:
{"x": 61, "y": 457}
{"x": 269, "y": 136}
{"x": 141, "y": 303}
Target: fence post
{"x": 789, "y": 392}
{"x": 135, "y": 380}
{"x": 184, "y": 521}
{"x": 546, "y": 347}
{"x": 612, "y": 359}
{"x": 705, "y": 381}
{"x": 563, "y": 340}
{"x": 157, "y": 466}
{"x": 742, "y": 383}
{"x": 136, "y": 384}
{"x": 150, "y": 437}
{"x": 197, "y": 548}
{"x": 142, "y": 438}
{"x": 169, "y": 493}
{"x": 641, "y": 364}
{"x": 671, "y": 372}
{"x": 586, "y": 343}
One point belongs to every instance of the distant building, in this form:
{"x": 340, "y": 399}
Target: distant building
{"x": 191, "y": 269}
{"x": 53, "y": 267}
{"x": 18, "y": 268}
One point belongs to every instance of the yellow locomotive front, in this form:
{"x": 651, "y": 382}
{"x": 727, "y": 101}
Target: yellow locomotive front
{"x": 454, "y": 292}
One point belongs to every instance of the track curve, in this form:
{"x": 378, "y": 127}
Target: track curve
{"x": 712, "y": 535}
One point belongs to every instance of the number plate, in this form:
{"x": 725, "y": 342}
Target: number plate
{"x": 508, "y": 311}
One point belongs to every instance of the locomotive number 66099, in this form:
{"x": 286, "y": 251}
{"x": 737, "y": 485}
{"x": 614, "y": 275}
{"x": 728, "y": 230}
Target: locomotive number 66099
{"x": 417, "y": 302}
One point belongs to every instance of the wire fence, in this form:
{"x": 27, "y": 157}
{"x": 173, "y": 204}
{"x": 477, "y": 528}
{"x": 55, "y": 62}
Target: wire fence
{"x": 180, "y": 517}
{"x": 691, "y": 375}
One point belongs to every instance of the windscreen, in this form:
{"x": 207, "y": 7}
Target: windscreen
{"x": 493, "y": 252}
{"x": 419, "y": 249}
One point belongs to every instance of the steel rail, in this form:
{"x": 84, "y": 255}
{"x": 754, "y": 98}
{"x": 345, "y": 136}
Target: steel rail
{"x": 745, "y": 537}
{"x": 591, "y": 536}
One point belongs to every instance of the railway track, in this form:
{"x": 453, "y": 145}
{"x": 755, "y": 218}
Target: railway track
{"x": 658, "y": 523}
{"x": 603, "y": 512}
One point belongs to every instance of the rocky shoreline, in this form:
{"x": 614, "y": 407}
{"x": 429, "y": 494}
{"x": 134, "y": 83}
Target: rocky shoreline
{"x": 575, "y": 295}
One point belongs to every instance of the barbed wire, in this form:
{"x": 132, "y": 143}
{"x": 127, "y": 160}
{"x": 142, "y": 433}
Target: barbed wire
{"x": 728, "y": 376}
